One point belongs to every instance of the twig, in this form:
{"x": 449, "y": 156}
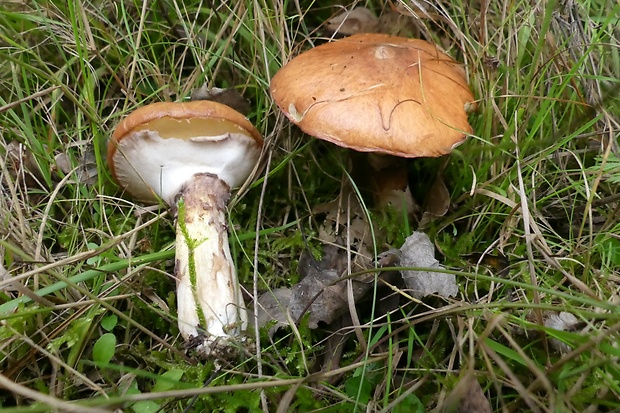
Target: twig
{"x": 529, "y": 237}
{"x": 57, "y": 404}
{"x": 35, "y": 95}
{"x": 259, "y": 363}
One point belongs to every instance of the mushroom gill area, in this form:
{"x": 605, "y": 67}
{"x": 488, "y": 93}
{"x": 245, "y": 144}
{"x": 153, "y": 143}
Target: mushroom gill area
{"x": 169, "y": 127}
{"x": 150, "y": 166}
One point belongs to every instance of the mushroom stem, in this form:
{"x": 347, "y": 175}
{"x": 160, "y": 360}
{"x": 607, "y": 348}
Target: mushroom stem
{"x": 210, "y": 305}
{"x": 391, "y": 182}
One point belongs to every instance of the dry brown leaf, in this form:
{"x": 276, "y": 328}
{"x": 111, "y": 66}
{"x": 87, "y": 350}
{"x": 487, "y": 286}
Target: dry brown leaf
{"x": 498, "y": 262}
{"x": 339, "y": 332}
{"x": 415, "y": 10}
{"x": 229, "y": 97}
{"x": 358, "y": 20}
{"x": 437, "y": 201}
{"x": 321, "y": 295}
{"x": 22, "y": 165}
{"x": 400, "y": 24}
{"x": 561, "y": 321}
{"x": 341, "y": 225}
{"x": 322, "y": 292}
{"x": 335, "y": 222}
{"x": 363, "y": 20}
{"x": 86, "y": 173}
{"x": 390, "y": 182}
{"x": 63, "y": 163}
{"x": 419, "y": 251}
{"x": 467, "y": 397}
{"x": 273, "y": 306}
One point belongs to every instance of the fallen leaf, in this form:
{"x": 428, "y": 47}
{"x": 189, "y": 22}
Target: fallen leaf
{"x": 22, "y": 165}
{"x": 414, "y": 9}
{"x": 344, "y": 219}
{"x": 399, "y": 23}
{"x": 419, "y": 251}
{"x": 389, "y": 258}
{"x": 562, "y": 321}
{"x": 63, "y": 163}
{"x": 499, "y": 262}
{"x": 322, "y": 292}
{"x": 467, "y": 397}
{"x": 273, "y": 306}
{"x": 437, "y": 201}
{"x": 339, "y": 333}
{"x": 363, "y": 20}
{"x": 333, "y": 258}
{"x": 229, "y": 97}
{"x": 321, "y": 295}
{"x": 87, "y": 172}
{"x": 349, "y": 22}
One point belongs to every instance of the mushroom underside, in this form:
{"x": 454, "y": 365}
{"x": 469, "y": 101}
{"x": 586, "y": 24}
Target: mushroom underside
{"x": 149, "y": 166}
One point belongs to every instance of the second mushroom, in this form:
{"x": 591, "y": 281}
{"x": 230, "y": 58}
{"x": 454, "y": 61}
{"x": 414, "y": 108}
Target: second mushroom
{"x": 378, "y": 93}
{"x": 190, "y": 155}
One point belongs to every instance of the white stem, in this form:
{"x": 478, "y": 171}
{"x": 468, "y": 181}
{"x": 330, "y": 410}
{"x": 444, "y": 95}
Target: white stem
{"x": 209, "y": 300}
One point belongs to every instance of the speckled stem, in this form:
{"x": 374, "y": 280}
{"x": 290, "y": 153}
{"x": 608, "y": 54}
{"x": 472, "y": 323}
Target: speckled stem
{"x": 209, "y": 300}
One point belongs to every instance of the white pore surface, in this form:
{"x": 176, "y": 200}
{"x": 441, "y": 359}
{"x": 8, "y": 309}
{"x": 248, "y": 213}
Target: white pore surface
{"x": 150, "y": 167}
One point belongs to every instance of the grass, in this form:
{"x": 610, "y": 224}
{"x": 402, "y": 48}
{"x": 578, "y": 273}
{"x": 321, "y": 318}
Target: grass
{"x": 87, "y": 304}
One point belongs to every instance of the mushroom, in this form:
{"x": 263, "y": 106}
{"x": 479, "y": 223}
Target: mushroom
{"x": 189, "y": 155}
{"x": 378, "y": 93}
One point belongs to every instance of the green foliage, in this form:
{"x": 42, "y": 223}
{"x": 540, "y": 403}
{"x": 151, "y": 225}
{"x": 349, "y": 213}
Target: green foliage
{"x": 109, "y": 322}
{"x": 146, "y": 406}
{"x": 609, "y": 249}
{"x": 360, "y": 388}
{"x": 411, "y": 403}
{"x": 104, "y": 349}
{"x": 73, "y": 335}
{"x": 169, "y": 380}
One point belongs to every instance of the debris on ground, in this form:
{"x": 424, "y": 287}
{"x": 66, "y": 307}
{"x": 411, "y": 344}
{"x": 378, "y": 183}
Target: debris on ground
{"x": 419, "y": 251}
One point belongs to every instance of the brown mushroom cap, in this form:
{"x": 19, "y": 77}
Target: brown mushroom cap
{"x": 377, "y": 93}
{"x": 158, "y": 147}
